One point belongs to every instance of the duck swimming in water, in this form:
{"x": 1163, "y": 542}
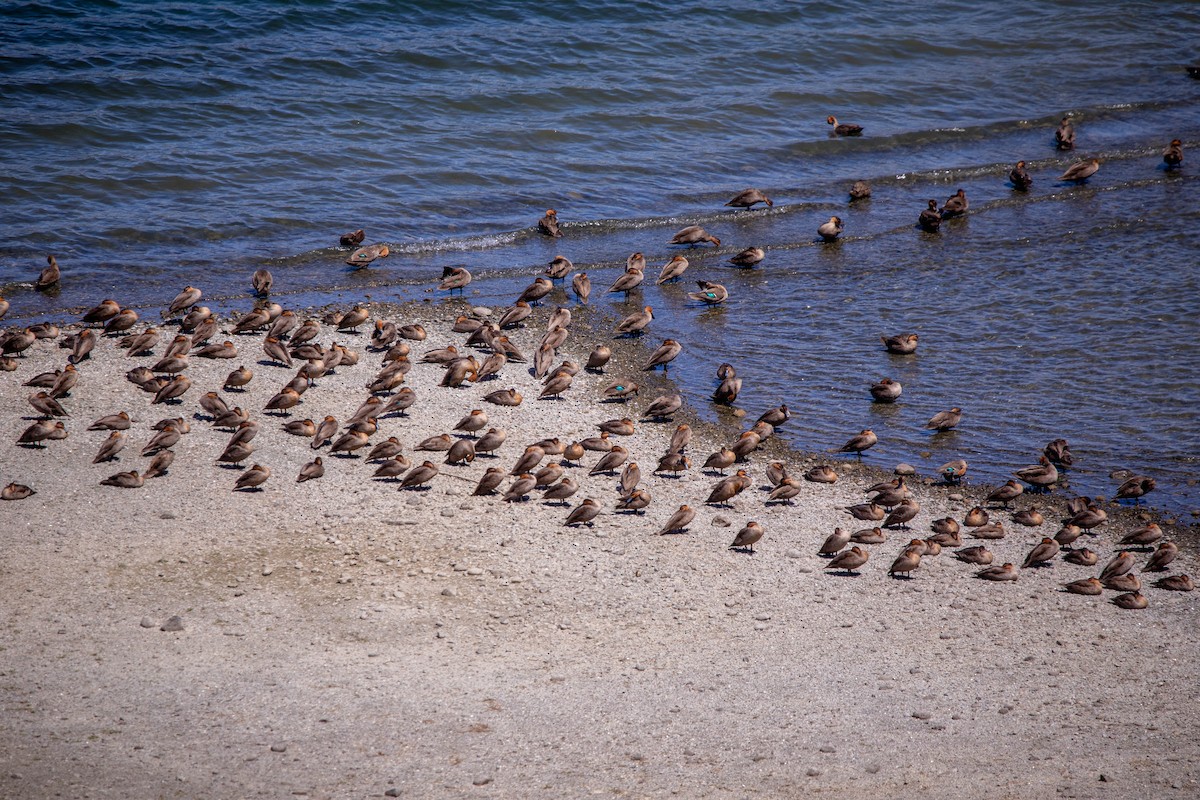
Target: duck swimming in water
{"x": 860, "y": 190}
{"x": 1173, "y": 155}
{"x": 548, "y": 225}
{"x": 748, "y": 197}
{"x": 956, "y": 205}
{"x": 831, "y": 230}
{"x": 1081, "y": 171}
{"x": 748, "y": 257}
{"x": 843, "y": 128}
{"x": 930, "y": 219}
{"x": 1064, "y": 137}
{"x": 1019, "y": 177}
{"x": 693, "y": 235}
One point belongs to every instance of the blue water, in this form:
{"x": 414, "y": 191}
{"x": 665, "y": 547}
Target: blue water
{"x": 153, "y": 145}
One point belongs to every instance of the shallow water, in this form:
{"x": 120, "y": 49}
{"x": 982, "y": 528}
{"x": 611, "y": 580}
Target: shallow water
{"x": 150, "y": 147}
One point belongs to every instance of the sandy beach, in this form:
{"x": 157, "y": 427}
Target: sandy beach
{"x": 344, "y": 637}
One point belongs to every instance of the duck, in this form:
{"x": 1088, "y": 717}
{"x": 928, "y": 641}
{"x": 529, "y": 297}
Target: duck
{"x": 635, "y": 323}
{"x": 955, "y": 205}
{"x": 581, "y": 285}
{"x": 667, "y": 352}
{"x": 843, "y": 128}
{"x": 678, "y": 522}
{"x": 311, "y": 471}
{"x": 849, "y": 561}
{"x": 558, "y": 268}
{"x": 620, "y": 390}
{"x": 1043, "y": 475}
{"x": 748, "y": 198}
{"x": 1059, "y": 453}
{"x": 252, "y": 478}
{"x": 1064, "y": 136}
{"x": 747, "y": 537}
{"x": 1172, "y": 583}
{"x": 1135, "y": 488}
{"x": 454, "y": 278}
{"x": 672, "y": 269}
{"x": 834, "y": 542}
{"x": 1042, "y": 553}
{"x": 930, "y": 219}
{"x": 976, "y": 554}
{"x": 262, "y": 281}
{"x": 945, "y": 420}
{"x": 721, "y": 460}
{"x": 1162, "y": 557}
{"x": 1143, "y": 536}
{"x": 860, "y": 190}
{"x": 1081, "y": 171}
{"x": 822, "y": 473}
{"x": 548, "y": 224}
{"x": 1088, "y": 586}
{"x": 419, "y": 475}
{"x": 1120, "y": 564}
{"x": 748, "y": 257}
{"x": 1019, "y": 178}
{"x": 584, "y": 513}
{"x": 664, "y": 406}
{"x": 728, "y": 488}
{"x": 536, "y": 291}
{"x": 954, "y": 471}
{"x": 628, "y": 281}
{"x": 561, "y": 491}
{"x": 352, "y": 239}
{"x": 49, "y": 277}
{"x": 636, "y": 501}
{"x": 1006, "y": 572}
{"x": 727, "y": 390}
{"x": 102, "y": 313}
{"x": 1131, "y": 601}
{"x": 1172, "y": 156}
{"x": 694, "y": 235}
{"x": 831, "y": 230}
{"x": 125, "y": 480}
{"x": 886, "y": 391}
{"x": 1006, "y": 493}
{"x": 857, "y": 444}
{"x": 906, "y": 563}
{"x": 710, "y": 293}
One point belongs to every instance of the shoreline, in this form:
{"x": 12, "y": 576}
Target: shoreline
{"x": 453, "y": 644}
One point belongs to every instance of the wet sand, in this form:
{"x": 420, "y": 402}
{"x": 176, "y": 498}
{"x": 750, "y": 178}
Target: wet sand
{"x": 342, "y": 637}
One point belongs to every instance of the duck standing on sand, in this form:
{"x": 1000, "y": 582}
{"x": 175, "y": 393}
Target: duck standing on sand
{"x": 748, "y": 197}
{"x": 1081, "y": 171}
{"x": 843, "y": 128}
{"x": 1173, "y": 155}
{"x": 831, "y": 230}
{"x": 548, "y": 225}
{"x": 1020, "y": 178}
{"x": 1064, "y": 137}
{"x": 694, "y": 235}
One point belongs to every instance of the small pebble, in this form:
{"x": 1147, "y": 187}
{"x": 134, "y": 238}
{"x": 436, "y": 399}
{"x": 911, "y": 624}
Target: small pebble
{"x": 794, "y": 553}
{"x": 812, "y": 773}
{"x": 147, "y": 622}
{"x": 448, "y": 512}
{"x": 826, "y": 749}
{"x": 482, "y": 781}
{"x": 279, "y": 747}
{"x": 922, "y": 715}
{"x": 393, "y": 792}
{"x": 267, "y": 571}
{"x": 905, "y": 469}
{"x": 449, "y": 591}
{"x": 474, "y": 571}
{"x": 173, "y": 624}
{"x": 720, "y": 522}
